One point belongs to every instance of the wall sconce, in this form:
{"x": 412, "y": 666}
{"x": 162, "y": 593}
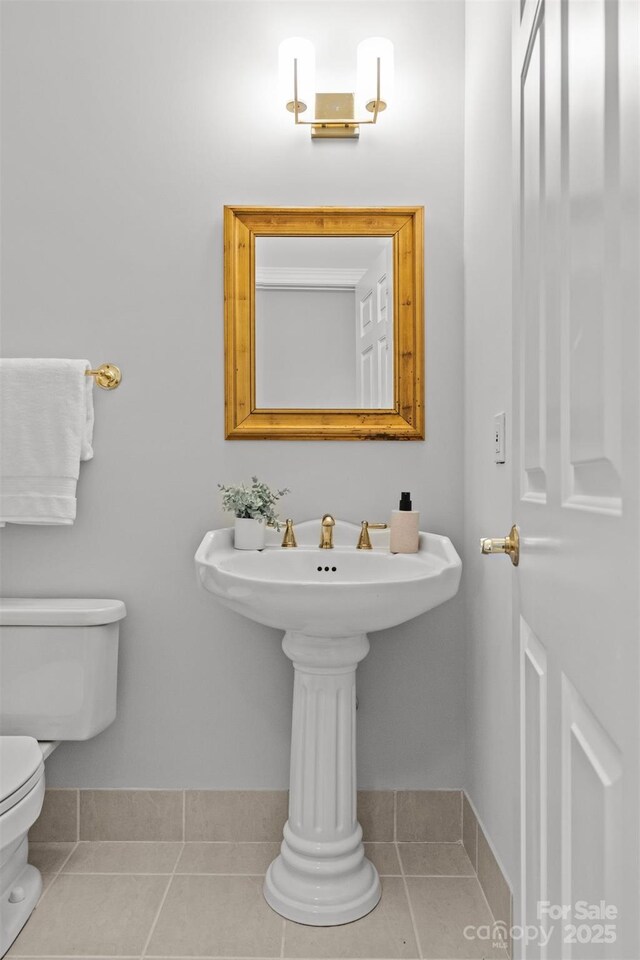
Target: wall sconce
{"x": 335, "y": 113}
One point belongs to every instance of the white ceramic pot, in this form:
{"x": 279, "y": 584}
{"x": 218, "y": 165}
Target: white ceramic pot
{"x": 249, "y": 534}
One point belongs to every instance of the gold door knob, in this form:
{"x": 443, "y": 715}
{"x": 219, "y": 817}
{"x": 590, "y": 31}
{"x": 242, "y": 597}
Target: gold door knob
{"x": 510, "y": 545}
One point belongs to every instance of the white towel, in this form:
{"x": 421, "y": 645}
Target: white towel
{"x": 46, "y": 429}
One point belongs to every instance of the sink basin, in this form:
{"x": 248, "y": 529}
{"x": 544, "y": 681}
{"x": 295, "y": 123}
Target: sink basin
{"x": 329, "y": 593}
{"x": 326, "y": 601}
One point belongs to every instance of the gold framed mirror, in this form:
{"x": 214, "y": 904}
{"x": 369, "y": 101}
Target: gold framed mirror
{"x": 324, "y": 323}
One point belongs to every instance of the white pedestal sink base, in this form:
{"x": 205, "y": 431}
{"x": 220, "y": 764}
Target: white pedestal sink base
{"x": 322, "y": 876}
{"x": 295, "y": 892}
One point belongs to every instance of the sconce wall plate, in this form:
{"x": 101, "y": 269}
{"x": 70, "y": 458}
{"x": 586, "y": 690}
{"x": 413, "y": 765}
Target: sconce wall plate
{"x": 334, "y": 108}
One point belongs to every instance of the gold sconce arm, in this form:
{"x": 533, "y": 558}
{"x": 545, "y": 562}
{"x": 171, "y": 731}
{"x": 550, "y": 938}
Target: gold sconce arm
{"x": 335, "y": 111}
{"x": 378, "y": 104}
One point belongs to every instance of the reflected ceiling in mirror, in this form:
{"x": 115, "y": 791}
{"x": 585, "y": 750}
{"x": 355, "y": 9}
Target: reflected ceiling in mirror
{"x": 324, "y": 322}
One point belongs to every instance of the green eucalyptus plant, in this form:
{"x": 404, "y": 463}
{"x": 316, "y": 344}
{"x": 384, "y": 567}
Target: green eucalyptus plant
{"x": 256, "y": 502}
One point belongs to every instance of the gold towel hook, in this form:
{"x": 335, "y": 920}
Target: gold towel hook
{"x": 108, "y": 376}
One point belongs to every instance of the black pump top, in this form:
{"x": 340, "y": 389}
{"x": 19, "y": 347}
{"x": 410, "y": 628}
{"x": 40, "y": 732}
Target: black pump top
{"x": 405, "y": 501}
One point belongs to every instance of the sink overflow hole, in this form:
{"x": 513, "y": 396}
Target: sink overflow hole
{"x": 327, "y": 569}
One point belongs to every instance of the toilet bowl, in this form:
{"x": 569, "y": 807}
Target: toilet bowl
{"x": 21, "y": 796}
{"x": 58, "y": 682}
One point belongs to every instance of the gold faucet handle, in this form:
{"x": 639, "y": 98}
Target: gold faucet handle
{"x": 364, "y": 542}
{"x": 289, "y": 539}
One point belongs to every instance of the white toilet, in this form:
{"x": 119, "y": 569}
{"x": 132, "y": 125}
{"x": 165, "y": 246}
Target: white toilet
{"x": 58, "y": 675}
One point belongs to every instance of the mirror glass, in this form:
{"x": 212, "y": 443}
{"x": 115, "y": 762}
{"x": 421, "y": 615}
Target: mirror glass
{"x": 324, "y": 322}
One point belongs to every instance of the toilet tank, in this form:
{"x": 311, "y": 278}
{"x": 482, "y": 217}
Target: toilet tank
{"x": 58, "y": 667}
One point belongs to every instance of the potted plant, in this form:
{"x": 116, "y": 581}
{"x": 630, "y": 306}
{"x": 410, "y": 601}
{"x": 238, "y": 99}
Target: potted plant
{"x": 254, "y": 509}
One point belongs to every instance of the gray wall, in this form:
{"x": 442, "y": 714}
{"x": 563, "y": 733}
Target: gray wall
{"x": 126, "y": 127}
{"x": 492, "y": 763}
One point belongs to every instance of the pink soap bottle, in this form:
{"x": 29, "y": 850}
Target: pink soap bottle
{"x": 404, "y": 527}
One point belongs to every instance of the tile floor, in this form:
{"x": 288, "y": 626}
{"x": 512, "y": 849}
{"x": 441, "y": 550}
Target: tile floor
{"x": 139, "y": 899}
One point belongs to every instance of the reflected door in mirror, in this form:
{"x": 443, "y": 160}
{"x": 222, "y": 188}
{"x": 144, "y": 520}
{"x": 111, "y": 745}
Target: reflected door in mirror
{"x": 374, "y": 334}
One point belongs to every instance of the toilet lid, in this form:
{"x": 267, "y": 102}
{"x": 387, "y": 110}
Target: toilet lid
{"x": 30, "y": 611}
{"x": 20, "y": 760}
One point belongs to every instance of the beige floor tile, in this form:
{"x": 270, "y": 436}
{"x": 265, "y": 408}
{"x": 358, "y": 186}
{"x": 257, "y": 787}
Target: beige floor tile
{"x": 434, "y": 815}
{"x": 92, "y": 915}
{"x": 443, "y": 907}
{"x": 49, "y": 857}
{"x": 384, "y": 858}
{"x": 47, "y": 880}
{"x": 385, "y": 932}
{"x": 435, "y": 860}
{"x": 246, "y": 815}
{"x": 131, "y": 814}
{"x": 58, "y": 820}
{"x": 375, "y": 814}
{"x": 216, "y": 916}
{"x": 110, "y": 856}
{"x": 248, "y": 858}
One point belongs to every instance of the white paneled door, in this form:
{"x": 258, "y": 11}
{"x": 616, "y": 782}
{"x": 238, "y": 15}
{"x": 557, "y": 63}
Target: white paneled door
{"x": 374, "y": 334}
{"x": 576, "y": 481}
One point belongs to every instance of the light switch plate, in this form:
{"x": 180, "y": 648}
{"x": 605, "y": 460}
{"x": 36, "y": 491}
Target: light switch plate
{"x": 499, "y": 438}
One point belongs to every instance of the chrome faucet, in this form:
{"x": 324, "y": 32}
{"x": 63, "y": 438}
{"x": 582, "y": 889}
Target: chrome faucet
{"x": 326, "y": 536}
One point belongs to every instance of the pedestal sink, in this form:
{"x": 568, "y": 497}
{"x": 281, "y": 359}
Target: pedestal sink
{"x": 326, "y": 601}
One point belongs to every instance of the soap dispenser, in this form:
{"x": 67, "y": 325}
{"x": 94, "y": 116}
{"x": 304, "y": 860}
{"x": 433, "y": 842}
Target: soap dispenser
{"x": 404, "y": 527}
